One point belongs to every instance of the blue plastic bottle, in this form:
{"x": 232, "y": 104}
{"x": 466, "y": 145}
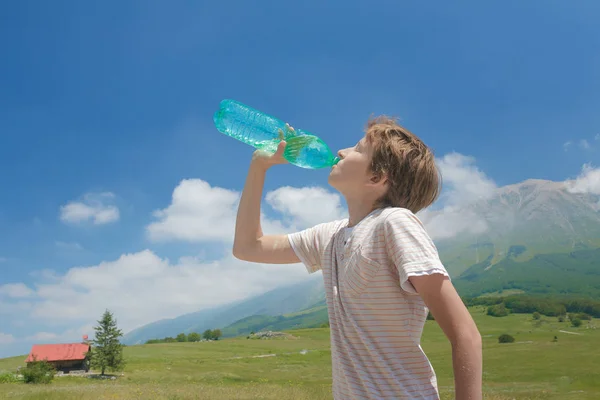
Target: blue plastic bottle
{"x": 264, "y": 132}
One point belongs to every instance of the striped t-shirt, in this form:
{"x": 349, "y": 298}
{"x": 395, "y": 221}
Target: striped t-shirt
{"x": 375, "y": 314}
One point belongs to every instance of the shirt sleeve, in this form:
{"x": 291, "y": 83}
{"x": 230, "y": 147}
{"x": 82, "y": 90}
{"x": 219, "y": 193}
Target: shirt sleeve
{"x": 410, "y": 248}
{"x": 309, "y": 244}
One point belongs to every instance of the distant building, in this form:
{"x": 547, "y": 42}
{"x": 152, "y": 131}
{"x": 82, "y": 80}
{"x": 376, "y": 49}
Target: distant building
{"x": 64, "y": 357}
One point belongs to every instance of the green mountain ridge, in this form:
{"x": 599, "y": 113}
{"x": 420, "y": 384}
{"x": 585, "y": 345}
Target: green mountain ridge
{"x": 576, "y": 274}
{"x": 281, "y": 300}
{"x": 310, "y": 318}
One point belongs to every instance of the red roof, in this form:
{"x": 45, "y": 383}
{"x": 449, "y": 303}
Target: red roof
{"x": 58, "y": 352}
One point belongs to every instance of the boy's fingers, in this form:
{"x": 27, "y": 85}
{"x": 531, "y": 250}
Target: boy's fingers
{"x": 280, "y": 148}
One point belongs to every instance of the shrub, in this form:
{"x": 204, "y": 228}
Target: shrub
{"x": 38, "y": 372}
{"x": 505, "y": 338}
{"x": 537, "y": 315}
{"x": 498, "y": 310}
{"x": 8, "y": 377}
{"x": 576, "y": 322}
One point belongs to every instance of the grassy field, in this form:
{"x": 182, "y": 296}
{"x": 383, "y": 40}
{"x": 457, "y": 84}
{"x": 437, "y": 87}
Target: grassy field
{"x": 533, "y": 367}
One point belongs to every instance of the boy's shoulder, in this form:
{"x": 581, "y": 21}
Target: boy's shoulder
{"x": 383, "y": 218}
{"x": 394, "y": 217}
{"x": 397, "y": 222}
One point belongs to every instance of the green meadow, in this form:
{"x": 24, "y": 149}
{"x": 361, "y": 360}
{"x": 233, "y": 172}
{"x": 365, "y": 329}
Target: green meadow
{"x": 534, "y": 366}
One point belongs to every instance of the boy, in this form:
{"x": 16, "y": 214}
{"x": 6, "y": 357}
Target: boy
{"x": 381, "y": 270}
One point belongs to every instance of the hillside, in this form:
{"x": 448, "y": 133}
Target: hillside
{"x": 282, "y": 300}
{"x": 576, "y": 274}
{"x": 310, "y": 318}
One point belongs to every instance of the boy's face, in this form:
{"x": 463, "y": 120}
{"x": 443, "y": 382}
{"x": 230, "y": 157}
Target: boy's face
{"x": 351, "y": 176}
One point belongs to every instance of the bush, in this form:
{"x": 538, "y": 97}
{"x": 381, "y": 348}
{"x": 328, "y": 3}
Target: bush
{"x": 582, "y": 316}
{"x": 537, "y": 315}
{"x": 576, "y": 322}
{"x": 505, "y": 338}
{"x": 498, "y": 310}
{"x": 38, "y": 372}
{"x": 8, "y": 377}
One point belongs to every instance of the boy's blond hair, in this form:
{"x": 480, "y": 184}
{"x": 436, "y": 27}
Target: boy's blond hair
{"x": 413, "y": 177}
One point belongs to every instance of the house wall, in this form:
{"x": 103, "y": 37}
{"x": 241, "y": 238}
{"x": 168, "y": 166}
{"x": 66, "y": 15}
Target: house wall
{"x": 68, "y": 365}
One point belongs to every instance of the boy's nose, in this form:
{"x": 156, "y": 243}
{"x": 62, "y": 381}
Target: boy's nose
{"x": 341, "y": 153}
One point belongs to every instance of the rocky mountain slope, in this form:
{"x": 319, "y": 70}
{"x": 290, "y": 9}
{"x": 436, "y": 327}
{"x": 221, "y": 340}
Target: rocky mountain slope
{"x": 523, "y": 220}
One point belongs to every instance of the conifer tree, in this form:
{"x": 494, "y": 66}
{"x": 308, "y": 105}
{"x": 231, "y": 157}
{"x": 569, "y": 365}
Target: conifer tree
{"x": 107, "y": 350}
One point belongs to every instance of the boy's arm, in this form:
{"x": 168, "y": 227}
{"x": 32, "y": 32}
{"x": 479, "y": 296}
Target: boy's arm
{"x": 250, "y": 244}
{"x": 450, "y": 313}
{"x": 422, "y": 273}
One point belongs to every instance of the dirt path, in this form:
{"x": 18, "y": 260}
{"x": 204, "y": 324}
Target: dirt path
{"x": 571, "y": 333}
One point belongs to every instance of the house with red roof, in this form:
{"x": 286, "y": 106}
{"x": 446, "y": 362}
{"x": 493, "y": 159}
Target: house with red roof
{"x": 64, "y": 357}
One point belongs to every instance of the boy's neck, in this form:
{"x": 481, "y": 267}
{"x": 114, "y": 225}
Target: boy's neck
{"x": 358, "y": 209}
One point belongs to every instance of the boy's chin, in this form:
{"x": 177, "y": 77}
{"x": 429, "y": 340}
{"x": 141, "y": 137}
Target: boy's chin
{"x": 335, "y": 183}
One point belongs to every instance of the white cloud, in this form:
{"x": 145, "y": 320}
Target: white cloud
{"x": 566, "y": 145}
{"x": 597, "y": 137}
{"x": 142, "y": 287}
{"x": 16, "y": 290}
{"x": 306, "y": 206}
{"x": 451, "y": 221}
{"x": 585, "y": 144}
{"x": 464, "y": 181}
{"x": 42, "y": 337}
{"x": 14, "y": 308}
{"x": 200, "y": 212}
{"x": 6, "y": 338}
{"x": 96, "y": 207}
{"x": 463, "y": 184}
{"x": 588, "y": 181}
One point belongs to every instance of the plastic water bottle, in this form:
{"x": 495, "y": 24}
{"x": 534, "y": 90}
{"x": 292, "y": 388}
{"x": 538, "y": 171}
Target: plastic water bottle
{"x": 264, "y": 132}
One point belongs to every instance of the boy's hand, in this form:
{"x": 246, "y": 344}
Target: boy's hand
{"x": 266, "y": 160}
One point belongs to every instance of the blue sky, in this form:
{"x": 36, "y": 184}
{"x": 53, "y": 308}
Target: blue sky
{"x": 109, "y": 106}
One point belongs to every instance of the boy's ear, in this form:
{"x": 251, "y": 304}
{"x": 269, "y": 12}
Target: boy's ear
{"x": 378, "y": 178}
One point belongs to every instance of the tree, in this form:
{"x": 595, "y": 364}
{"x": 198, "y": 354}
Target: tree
{"x": 576, "y": 323}
{"x": 194, "y": 337}
{"x": 536, "y": 315}
{"x": 207, "y": 334}
{"x": 107, "y": 350}
{"x": 182, "y": 337}
{"x": 216, "y": 334}
{"x": 505, "y": 338}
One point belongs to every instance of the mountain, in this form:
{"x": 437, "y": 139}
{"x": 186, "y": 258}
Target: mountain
{"x": 536, "y": 236}
{"x": 282, "y": 300}
{"x": 521, "y": 221}
{"x": 575, "y": 274}
{"x": 312, "y": 317}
